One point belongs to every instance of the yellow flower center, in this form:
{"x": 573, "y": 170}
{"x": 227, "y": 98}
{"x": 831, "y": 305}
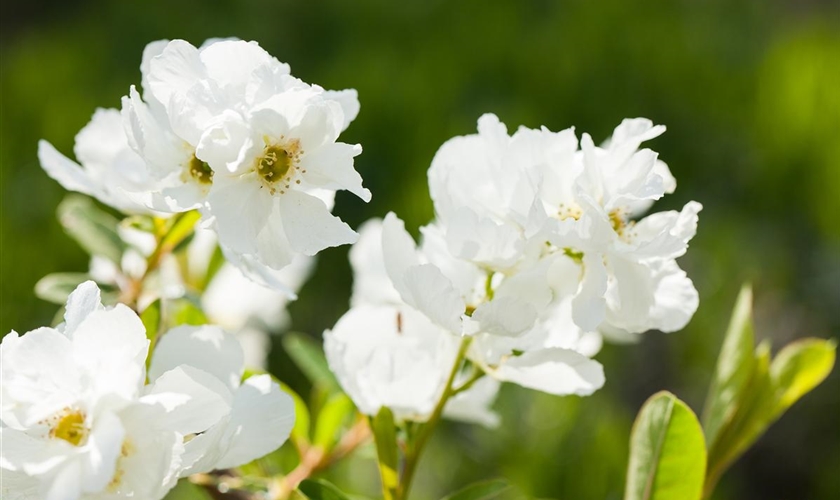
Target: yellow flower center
{"x": 200, "y": 171}
{"x": 71, "y": 428}
{"x": 278, "y": 165}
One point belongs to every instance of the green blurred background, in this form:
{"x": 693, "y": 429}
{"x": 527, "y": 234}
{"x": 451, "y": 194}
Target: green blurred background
{"x": 749, "y": 90}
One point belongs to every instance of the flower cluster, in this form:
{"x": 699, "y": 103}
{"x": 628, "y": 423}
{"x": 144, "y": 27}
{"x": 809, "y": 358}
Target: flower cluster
{"x": 537, "y": 250}
{"x": 225, "y": 129}
{"x": 80, "y": 421}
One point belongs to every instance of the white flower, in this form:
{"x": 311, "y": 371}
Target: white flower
{"x": 500, "y": 198}
{"x": 384, "y": 353}
{"x": 254, "y": 147}
{"x": 630, "y": 281}
{"x": 109, "y": 168}
{"x": 456, "y": 294}
{"x": 78, "y": 421}
{"x": 72, "y": 418}
{"x": 391, "y": 356}
{"x": 228, "y": 422}
{"x": 485, "y": 190}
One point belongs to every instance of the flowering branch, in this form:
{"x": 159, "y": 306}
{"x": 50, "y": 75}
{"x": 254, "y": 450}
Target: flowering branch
{"x": 415, "y": 449}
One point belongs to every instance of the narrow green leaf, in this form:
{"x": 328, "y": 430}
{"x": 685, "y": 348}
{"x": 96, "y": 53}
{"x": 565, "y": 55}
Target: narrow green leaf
{"x": 308, "y": 355}
{"x": 300, "y": 431}
{"x": 749, "y": 420}
{"x": 57, "y": 287}
{"x": 667, "y": 452}
{"x": 185, "y": 490}
{"x": 799, "y": 368}
{"x": 483, "y": 490}
{"x": 151, "y": 320}
{"x": 318, "y": 489}
{"x": 331, "y": 418}
{"x": 181, "y": 229}
{"x": 734, "y": 368}
{"x": 385, "y": 436}
{"x": 92, "y": 228}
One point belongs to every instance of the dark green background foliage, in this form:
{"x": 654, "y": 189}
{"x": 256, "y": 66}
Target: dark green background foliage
{"x": 749, "y": 90}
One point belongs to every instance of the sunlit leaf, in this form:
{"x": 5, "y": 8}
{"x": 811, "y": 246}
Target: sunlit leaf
{"x": 484, "y": 490}
{"x": 799, "y": 367}
{"x": 300, "y": 431}
{"x": 734, "y": 368}
{"x": 57, "y": 287}
{"x": 93, "y": 229}
{"x": 151, "y": 318}
{"x": 184, "y": 311}
{"x": 667, "y": 452}
{"x": 318, "y": 489}
{"x": 181, "y": 229}
{"x": 331, "y": 419}
{"x": 385, "y": 436}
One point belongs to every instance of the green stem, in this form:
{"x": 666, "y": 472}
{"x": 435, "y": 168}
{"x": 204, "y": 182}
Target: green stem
{"x": 415, "y": 448}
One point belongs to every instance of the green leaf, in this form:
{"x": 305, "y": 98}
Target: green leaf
{"x": 300, "y": 431}
{"x": 734, "y": 369}
{"x": 92, "y": 228}
{"x": 151, "y": 320}
{"x": 331, "y": 418}
{"x": 799, "y": 368}
{"x": 308, "y": 355}
{"x": 181, "y": 229}
{"x": 185, "y": 311}
{"x": 318, "y": 489}
{"x": 57, "y": 287}
{"x": 667, "y": 452}
{"x": 483, "y": 490}
{"x": 747, "y": 423}
{"x": 385, "y": 436}
{"x": 185, "y": 490}
{"x": 139, "y": 222}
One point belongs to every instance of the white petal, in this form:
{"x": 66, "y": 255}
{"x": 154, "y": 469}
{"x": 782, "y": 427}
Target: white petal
{"x": 431, "y": 293}
{"x": 398, "y": 250}
{"x": 175, "y": 70}
{"x": 588, "y": 306}
{"x": 371, "y": 284}
{"x": 66, "y": 485}
{"x": 331, "y": 166}
{"x": 208, "y": 348}
{"x": 207, "y": 400}
{"x": 39, "y": 376}
{"x": 665, "y": 235}
{"x": 231, "y": 62}
{"x": 385, "y": 355}
{"x": 349, "y": 101}
{"x": 229, "y": 144}
{"x": 505, "y": 316}
{"x": 67, "y": 172}
{"x": 481, "y": 240}
{"x": 112, "y": 346}
{"x": 309, "y": 226}
{"x": 555, "y": 371}
{"x": 262, "y": 419}
{"x": 104, "y": 444}
{"x": 676, "y": 299}
{"x": 81, "y": 302}
{"x": 240, "y": 210}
